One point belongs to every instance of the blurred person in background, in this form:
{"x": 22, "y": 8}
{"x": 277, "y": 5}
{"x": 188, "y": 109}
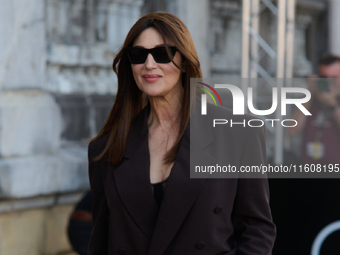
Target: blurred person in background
{"x": 312, "y": 202}
{"x": 80, "y": 224}
{"x": 321, "y": 130}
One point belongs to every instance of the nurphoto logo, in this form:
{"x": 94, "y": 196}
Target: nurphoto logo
{"x": 239, "y": 104}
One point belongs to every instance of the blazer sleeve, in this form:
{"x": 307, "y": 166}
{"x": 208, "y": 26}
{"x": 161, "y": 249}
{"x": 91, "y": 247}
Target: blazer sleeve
{"x": 100, "y": 212}
{"x": 254, "y": 229}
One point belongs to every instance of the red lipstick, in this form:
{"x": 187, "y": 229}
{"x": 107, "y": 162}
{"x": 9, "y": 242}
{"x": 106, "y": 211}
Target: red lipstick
{"x": 151, "y": 77}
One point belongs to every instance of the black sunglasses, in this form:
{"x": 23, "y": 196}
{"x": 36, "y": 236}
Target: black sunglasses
{"x": 138, "y": 55}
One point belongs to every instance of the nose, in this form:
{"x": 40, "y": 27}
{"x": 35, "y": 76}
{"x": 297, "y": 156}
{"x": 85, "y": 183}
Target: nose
{"x": 150, "y": 63}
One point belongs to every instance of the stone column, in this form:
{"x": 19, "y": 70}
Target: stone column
{"x": 22, "y": 44}
{"x": 333, "y": 26}
{"x": 195, "y": 15}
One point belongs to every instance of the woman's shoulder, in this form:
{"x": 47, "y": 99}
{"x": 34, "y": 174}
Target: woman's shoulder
{"x": 97, "y": 145}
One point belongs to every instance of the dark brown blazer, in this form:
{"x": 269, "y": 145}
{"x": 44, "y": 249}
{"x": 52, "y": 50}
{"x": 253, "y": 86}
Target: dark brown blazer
{"x": 197, "y": 216}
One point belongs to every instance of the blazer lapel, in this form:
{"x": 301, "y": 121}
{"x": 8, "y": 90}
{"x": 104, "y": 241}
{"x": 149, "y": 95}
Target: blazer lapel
{"x": 132, "y": 177}
{"x": 181, "y": 191}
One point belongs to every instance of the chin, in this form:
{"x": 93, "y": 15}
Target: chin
{"x": 154, "y": 94}
{"x": 153, "y": 91}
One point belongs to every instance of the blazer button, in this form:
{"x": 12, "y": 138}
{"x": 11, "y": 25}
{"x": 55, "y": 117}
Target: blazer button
{"x": 122, "y": 251}
{"x": 200, "y": 245}
{"x": 217, "y": 210}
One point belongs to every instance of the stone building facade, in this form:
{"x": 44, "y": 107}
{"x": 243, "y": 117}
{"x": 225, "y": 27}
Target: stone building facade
{"x": 57, "y": 87}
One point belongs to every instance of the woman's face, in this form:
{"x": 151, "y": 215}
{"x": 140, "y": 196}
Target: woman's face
{"x": 156, "y": 79}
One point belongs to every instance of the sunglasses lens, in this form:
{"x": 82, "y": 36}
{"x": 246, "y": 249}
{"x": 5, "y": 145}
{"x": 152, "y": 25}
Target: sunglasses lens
{"x": 161, "y": 55}
{"x": 137, "y": 55}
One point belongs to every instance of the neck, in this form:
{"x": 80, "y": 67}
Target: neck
{"x": 165, "y": 112}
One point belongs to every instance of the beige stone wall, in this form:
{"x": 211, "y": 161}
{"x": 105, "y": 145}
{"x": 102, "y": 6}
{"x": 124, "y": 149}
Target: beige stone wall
{"x": 36, "y": 232}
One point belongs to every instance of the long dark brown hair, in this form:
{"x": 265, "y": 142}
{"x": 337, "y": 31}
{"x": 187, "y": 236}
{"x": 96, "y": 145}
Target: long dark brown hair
{"x": 130, "y": 100}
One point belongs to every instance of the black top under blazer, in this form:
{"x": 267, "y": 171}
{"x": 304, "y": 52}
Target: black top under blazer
{"x": 197, "y": 216}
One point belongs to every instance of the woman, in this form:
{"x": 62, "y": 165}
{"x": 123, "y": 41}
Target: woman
{"x": 144, "y": 201}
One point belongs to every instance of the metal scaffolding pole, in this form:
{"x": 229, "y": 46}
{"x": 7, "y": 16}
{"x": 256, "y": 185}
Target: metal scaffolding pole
{"x": 252, "y": 43}
{"x": 245, "y": 38}
{"x": 245, "y": 47}
{"x": 280, "y": 75}
{"x": 290, "y": 38}
{"x": 289, "y": 52}
{"x": 254, "y": 49}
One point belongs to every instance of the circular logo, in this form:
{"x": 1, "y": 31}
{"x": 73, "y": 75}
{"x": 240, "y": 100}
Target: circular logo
{"x": 323, "y": 234}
